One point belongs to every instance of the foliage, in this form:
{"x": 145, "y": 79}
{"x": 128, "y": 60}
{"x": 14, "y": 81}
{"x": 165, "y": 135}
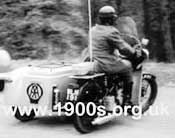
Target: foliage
{"x": 40, "y": 28}
{"x": 44, "y": 28}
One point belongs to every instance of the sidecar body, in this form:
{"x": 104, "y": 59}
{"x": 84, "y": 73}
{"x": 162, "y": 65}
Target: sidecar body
{"x": 40, "y": 85}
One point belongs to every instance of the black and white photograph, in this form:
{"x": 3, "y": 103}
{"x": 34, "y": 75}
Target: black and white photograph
{"x": 87, "y": 68}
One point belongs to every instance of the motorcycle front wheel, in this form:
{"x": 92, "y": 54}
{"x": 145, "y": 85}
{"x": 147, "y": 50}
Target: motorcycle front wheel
{"x": 148, "y": 93}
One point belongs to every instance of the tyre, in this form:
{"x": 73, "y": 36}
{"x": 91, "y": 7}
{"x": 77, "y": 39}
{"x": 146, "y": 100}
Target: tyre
{"x": 88, "y": 94}
{"x": 2, "y": 85}
{"x": 149, "y": 92}
{"x": 25, "y": 117}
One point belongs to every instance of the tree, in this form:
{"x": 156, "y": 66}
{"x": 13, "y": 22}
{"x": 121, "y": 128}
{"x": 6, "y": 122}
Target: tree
{"x": 155, "y": 20}
{"x": 167, "y": 45}
{"x": 172, "y": 21}
{"x": 157, "y": 29}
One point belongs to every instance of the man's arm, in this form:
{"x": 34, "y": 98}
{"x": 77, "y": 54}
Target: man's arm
{"x": 117, "y": 42}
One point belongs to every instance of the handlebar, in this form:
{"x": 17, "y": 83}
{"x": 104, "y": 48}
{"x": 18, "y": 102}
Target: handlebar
{"x": 141, "y": 54}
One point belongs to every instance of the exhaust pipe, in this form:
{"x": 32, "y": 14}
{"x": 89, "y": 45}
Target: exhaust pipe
{"x": 103, "y": 120}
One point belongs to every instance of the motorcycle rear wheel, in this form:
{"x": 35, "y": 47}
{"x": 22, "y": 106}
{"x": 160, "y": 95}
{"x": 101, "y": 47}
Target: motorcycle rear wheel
{"x": 84, "y": 123}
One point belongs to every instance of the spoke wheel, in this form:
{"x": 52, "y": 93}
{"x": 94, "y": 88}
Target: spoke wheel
{"x": 87, "y": 94}
{"x": 148, "y": 94}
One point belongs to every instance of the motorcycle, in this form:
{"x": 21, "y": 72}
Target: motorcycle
{"x": 105, "y": 91}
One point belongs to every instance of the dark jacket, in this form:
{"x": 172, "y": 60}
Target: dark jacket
{"x": 105, "y": 39}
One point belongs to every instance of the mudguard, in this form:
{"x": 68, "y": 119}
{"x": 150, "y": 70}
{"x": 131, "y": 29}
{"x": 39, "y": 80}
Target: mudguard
{"x": 149, "y": 76}
{"x": 137, "y": 84}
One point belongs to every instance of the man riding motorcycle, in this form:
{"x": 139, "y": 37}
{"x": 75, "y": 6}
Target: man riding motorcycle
{"x": 105, "y": 40}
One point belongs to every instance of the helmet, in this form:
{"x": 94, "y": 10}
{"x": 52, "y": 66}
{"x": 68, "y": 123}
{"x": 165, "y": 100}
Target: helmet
{"x": 107, "y": 12}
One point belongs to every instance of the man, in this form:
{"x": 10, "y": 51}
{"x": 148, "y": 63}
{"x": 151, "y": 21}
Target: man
{"x": 105, "y": 40}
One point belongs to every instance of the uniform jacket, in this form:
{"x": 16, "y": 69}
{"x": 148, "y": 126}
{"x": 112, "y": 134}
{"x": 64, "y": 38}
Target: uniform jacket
{"x": 105, "y": 39}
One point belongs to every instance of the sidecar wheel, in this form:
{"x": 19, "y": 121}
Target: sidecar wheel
{"x": 149, "y": 93}
{"x": 84, "y": 123}
{"x": 25, "y": 117}
{"x": 2, "y": 85}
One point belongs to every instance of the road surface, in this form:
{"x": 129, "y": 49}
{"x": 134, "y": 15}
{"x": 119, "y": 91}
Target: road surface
{"x": 157, "y": 126}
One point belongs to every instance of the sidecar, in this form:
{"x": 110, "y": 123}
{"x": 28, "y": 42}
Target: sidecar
{"x": 39, "y": 86}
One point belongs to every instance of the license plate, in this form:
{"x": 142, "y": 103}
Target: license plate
{"x": 72, "y": 94}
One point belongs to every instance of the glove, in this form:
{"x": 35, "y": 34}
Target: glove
{"x": 137, "y": 60}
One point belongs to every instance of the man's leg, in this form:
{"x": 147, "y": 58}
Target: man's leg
{"x": 126, "y": 75}
{"x": 124, "y": 69}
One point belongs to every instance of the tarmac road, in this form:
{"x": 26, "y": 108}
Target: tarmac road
{"x": 159, "y": 126}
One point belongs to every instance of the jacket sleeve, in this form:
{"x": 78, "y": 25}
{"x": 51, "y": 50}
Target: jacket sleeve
{"x": 117, "y": 42}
